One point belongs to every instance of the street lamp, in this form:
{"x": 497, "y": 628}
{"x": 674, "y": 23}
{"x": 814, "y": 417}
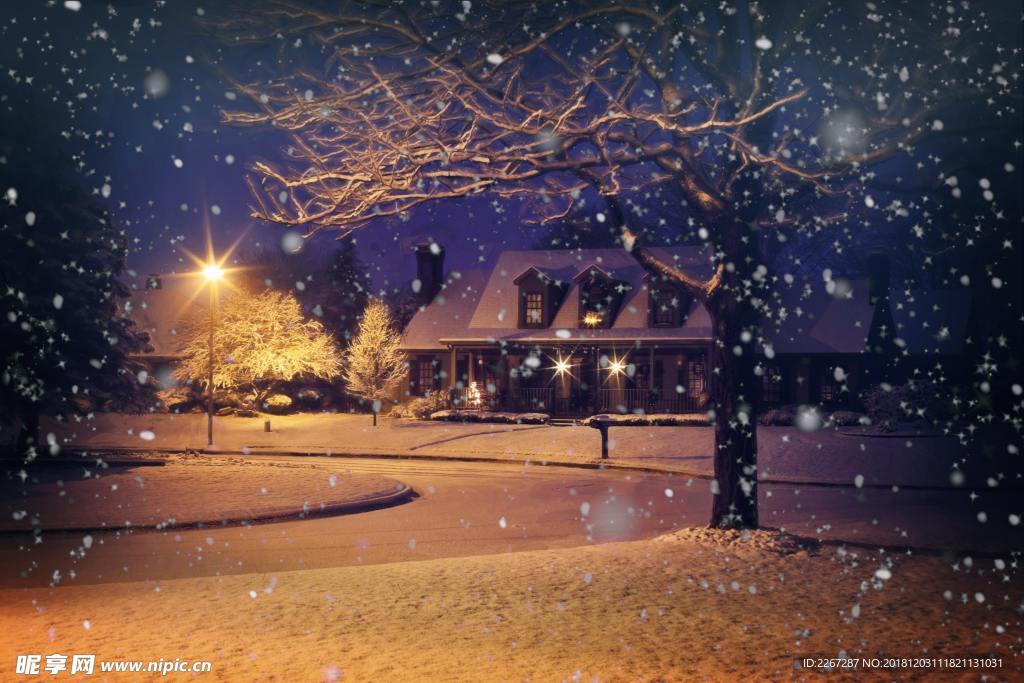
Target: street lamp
{"x": 212, "y": 273}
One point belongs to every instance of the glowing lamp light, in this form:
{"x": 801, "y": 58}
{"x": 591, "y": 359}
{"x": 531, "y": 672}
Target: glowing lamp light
{"x": 212, "y": 272}
{"x": 563, "y": 366}
{"x": 592, "y": 319}
{"x": 616, "y": 366}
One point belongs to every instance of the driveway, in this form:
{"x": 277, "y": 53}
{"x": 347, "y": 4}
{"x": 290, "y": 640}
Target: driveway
{"x": 486, "y": 508}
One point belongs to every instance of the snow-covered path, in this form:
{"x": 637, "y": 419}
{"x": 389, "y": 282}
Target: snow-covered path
{"x": 491, "y": 508}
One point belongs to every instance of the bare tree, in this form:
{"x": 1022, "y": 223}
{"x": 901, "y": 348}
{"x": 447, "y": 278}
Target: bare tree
{"x": 375, "y": 363}
{"x": 764, "y": 121}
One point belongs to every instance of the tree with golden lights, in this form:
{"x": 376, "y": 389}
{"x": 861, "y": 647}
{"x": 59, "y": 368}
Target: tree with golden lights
{"x": 259, "y": 340}
{"x": 375, "y": 363}
{"x": 763, "y": 120}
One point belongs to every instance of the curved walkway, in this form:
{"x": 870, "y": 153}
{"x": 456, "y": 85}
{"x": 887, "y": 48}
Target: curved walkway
{"x": 186, "y": 492}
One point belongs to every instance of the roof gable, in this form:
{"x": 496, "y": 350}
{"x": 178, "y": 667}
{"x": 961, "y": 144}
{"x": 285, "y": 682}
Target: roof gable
{"x": 498, "y": 305}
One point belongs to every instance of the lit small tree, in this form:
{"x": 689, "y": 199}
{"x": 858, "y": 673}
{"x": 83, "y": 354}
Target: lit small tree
{"x": 259, "y": 340}
{"x": 375, "y": 363}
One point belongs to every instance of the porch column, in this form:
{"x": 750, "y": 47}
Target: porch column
{"x": 505, "y": 382}
{"x": 650, "y": 369}
{"x": 469, "y": 364}
{"x": 452, "y": 368}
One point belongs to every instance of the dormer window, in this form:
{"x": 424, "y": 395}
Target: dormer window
{"x": 664, "y": 307}
{"x": 667, "y": 304}
{"x": 539, "y": 296}
{"x": 600, "y": 296}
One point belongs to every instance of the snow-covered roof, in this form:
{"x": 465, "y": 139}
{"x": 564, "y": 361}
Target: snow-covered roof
{"x": 482, "y": 306}
{"x": 448, "y": 314}
{"x": 931, "y": 320}
{"x": 813, "y": 319}
{"x": 836, "y": 318}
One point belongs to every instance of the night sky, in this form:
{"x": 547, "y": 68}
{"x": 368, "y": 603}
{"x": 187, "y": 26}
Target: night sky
{"x": 132, "y": 91}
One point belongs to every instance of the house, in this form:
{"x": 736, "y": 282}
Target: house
{"x": 578, "y": 332}
{"x": 568, "y": 332}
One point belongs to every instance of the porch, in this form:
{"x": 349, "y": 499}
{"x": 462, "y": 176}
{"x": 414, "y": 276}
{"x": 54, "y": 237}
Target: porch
{"x": 576, "y": 381}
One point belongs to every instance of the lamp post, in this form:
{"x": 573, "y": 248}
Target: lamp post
{"x": 213, "y": 274}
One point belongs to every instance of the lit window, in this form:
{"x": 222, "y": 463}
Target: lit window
{"x": 534, "y": 308}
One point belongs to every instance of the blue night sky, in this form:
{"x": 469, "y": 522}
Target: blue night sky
{"x": 132, "y": 91}
{"x": 168, "y": 163}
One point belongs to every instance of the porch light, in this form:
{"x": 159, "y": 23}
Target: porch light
{"x": 592, "y": 319}
{"x": 616, "y": 366}
{"x": 563, "y": 366}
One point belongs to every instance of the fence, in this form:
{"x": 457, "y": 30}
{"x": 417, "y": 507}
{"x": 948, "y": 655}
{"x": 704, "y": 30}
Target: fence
{"x": 646, "y": 401}
{"x": 543, "y": 400}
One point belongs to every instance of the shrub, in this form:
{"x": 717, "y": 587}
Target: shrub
{"x": 846, "y": 418}
{"x": 651, "y": 419}
{"x": 422, "y": 407}
{"x": 277, "y": 403}
{"x": 891, "y": 404}
{"x": 783, "y": 416}
{"x": 490, "y": 416}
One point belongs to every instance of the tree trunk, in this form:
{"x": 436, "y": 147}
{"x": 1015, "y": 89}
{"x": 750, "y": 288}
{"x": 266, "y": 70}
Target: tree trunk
{"x": 374, "y": 418}
{"x": 734, "y": 385}
{"x": 733, "y": 399}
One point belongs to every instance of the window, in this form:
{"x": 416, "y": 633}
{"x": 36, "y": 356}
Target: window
{"x": 771, "y": 385}
{"x": 665, "y": 305}
{"x": 534, "y": 308}
{"x": 695, "y": 385}
{"x": 829, "y": 387}
{"x": 599, "y": 298}
{"x": 423, "y": 376}
{"x": 594, "y": 304}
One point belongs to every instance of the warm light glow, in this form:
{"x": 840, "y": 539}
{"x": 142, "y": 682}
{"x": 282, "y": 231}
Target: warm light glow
{"x": 563, "y": 366}
{"x": 213, "y": 272}
{"x": 474, "y": 398}
{"x": 592, "y": 318}
{"x": 616, "y": 366}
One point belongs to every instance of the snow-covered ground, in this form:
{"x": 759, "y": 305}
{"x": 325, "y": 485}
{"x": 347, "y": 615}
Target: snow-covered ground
{"x": 692, "y": 605}
{"x": 184, "y": 491}
{"x": 785, "y": 453}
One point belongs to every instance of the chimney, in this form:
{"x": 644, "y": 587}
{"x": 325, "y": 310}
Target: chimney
{"x": 429, "y": 271}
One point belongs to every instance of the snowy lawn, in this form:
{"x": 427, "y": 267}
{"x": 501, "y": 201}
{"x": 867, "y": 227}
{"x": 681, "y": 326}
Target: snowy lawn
{"x": 785, "y": 453}
{"x": 695, "y": 604}
{"x": 186, "y": 490}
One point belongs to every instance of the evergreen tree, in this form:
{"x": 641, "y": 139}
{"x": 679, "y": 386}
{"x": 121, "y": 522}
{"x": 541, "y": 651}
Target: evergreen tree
{"x": 344, "y": 292}
{"x": 375, "y": 364}
{"x": 65, "y": 340}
